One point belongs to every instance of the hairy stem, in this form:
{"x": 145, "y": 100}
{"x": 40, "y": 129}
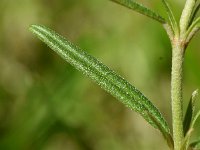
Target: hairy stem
{"x": 176, "y": 92}
{"x": 186, "y": 15}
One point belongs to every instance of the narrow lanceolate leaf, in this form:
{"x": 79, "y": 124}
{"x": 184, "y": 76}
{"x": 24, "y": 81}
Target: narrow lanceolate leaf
{"x": 141, "y": 9}
{"x": 102, "y": 75}
{"x": 196, "y": 117}
{"x": 190, "y": 112}
{"x": 194, "y": 14}
{"x": 190, "y": 120}
{"x": 171, "y": 16}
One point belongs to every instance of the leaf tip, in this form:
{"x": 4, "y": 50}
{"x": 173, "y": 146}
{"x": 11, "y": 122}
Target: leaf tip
{"x": 195, "y": 93}
{"x": 32, "y": 27}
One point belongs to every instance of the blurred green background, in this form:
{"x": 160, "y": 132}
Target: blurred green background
{"x": 45, "y": 104}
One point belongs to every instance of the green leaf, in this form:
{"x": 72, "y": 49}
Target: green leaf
{"x": 190, "y": 120}
{"x": 172, "y": 19}
{"x": 194, "y": 13}
{"x": 195, "y": 24}
{"x": 141, "y": 9}
{"x": 102, "y": 75}
{"x": 195, "y": 119}
{"x": 190, "y": 112}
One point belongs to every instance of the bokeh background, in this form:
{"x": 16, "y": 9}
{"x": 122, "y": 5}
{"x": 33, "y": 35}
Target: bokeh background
{"x": 45, "y": 104}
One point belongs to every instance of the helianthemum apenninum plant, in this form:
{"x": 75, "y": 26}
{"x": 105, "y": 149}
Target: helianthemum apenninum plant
{"x": 180, "y": 34}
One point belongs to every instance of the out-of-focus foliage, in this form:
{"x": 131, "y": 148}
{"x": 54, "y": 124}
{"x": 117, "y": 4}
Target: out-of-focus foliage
{"x": 46, "y": 104}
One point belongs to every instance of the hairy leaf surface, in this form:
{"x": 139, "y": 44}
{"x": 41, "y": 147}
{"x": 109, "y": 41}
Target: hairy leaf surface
{"x": 102, "y": 75}
{"x": 141, "y": 9}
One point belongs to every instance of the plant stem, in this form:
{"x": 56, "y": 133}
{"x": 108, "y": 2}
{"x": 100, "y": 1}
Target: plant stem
{"x": 176, "y": 91}
{"x": 186, "y": 15}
